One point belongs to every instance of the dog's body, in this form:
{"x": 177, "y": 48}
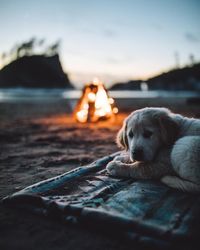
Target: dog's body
{"x": 160, "y": 145}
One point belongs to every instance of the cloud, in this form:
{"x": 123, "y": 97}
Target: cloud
{"x": 157, "y": 26}
{"x": 109, "y": 33}
{"x": 112, "y": 60}
{"x": 124, "y": 59}
{"x": 192, "y": 38}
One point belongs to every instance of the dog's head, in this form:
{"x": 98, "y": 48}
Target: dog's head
{"x": 147, "y": 130}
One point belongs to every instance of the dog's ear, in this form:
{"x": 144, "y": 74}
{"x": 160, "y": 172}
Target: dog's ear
{"x": 169, "y": 129}
{"x": 122, "y": 140}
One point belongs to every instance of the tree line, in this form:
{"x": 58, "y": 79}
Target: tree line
{"x": 30, "y": 47}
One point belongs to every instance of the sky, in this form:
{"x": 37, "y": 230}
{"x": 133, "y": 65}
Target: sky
{"x": 114, "y": 40}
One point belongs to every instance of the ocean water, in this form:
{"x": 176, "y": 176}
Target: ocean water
{"x": 32, "y": 95}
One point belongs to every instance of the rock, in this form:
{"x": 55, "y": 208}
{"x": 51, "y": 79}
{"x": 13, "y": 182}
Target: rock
{"x": 130, "y": 85}
{"x": 37, "y": 71}
{"x": 187, "y": 78}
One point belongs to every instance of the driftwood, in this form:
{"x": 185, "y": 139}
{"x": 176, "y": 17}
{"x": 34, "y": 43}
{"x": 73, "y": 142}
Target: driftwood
{"x": 146, "y": 212}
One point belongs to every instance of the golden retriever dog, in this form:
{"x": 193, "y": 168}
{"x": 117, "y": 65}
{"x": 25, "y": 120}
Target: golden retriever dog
{"x": 159, "y": 145}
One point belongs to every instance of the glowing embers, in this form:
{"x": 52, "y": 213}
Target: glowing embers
{"x": 95, "y": 104}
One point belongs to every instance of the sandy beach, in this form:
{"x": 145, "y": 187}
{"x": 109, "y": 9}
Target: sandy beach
{"x": 39, "y": 148}
{"x": 38, "y": 145}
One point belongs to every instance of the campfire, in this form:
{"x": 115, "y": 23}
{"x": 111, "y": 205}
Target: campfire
{"x": 95, "y": 104}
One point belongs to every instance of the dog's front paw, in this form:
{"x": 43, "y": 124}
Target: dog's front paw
{"x": 113, "y": 167}
{"x": 123, "y": 158}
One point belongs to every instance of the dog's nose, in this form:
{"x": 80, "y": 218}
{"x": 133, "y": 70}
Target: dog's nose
{"x": 138, "y": 154}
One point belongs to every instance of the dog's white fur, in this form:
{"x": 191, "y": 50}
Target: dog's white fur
{"x": 170, "y": 145}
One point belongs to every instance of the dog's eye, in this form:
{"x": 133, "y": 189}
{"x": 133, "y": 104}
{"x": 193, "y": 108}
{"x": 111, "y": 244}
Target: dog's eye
{"x": 147, "y": 134}
{"x": 130, "y": 134}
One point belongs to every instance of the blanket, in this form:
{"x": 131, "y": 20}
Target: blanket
{"x": 144, "y": 211}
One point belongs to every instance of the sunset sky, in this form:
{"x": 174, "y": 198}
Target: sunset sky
{"x": 111, "y": 39}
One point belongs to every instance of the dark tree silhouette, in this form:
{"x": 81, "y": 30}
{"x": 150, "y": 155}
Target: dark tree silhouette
{"x": 192, "y": 60}
{"x": 41, "y": 42}
{"x": 3, "y": 56}
{"x": 53, "y": 48}
{"x": 29, "y": 48}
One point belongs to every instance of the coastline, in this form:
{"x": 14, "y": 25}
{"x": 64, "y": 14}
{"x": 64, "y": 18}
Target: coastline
{"x": 29, "y": 103}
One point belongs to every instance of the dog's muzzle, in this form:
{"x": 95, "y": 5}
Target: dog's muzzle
{"x": 137, "y": 155}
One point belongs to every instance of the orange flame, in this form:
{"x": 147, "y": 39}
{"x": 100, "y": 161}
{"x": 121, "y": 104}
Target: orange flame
{"x": 95, "y": 104}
